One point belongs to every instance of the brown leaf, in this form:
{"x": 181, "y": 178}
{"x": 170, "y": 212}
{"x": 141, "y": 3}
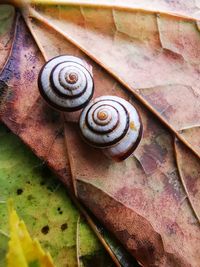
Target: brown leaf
{"x": 49, "y": 144}
{"x": 157, "y": 196}
{"x": 164, "y": 64}
{"x": 24, "y": 112}
{"x": 147, "y": 201}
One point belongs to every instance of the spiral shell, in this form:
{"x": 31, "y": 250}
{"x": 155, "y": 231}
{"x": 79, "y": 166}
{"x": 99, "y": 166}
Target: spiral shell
{"x": 113, "y": 124}
{"x": 66, "y": 83}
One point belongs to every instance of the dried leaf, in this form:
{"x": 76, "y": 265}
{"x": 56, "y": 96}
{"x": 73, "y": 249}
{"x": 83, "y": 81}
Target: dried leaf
{"x": 43, "y": 204}
{"x": 151, "y": 60}
{"x": 164, "y": 64}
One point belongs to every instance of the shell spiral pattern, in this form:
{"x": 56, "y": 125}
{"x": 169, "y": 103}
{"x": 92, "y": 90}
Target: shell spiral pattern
{"x": 66, "y": 83}
{"x": 113, "y": 124}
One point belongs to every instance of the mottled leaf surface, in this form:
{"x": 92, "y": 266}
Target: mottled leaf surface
{"x": 43, "y": 204}
{"x": 160, "y": 55}
{"x": 150, "y": 202}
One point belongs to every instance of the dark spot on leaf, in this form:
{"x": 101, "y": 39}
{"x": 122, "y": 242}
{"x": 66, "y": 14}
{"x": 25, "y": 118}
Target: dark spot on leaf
{"x": 61, "y": 133}
{"x": 29, "y": 75}
{"x": 30, "y": 197}
{"x": 17, "y": 75}
{"x": 63, "y": 227}
{"x": 19, "y": 191}
{"x": 42, "y": 183}
{"x": 59, "y": 210}
{"x": 45, "y": 229}
{"x": 171, "y": 228}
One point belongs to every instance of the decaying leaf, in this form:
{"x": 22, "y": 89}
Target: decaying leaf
{"x": 150, "y": 202}
{"x": 163, "y": 63}
{"x": 44, "y": 206}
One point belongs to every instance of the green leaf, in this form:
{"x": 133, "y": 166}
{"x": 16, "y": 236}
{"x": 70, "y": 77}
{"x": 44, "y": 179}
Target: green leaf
{"x": 42, "y": 202}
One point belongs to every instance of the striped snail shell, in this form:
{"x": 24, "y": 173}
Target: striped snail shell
{"x": 113, "y": 124}
{"x": 66, "y": 83}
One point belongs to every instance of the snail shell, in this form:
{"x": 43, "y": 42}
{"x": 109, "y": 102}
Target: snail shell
{"x": 113, "y": 124}
{"x": 66, "y": 83}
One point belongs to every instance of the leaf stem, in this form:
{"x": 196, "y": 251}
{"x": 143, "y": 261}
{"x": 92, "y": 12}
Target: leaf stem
{"x": 78, "y": 242}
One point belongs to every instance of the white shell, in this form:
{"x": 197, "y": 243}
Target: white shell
{"x": 66, "y": 83}
{"x": 113, "y": 124}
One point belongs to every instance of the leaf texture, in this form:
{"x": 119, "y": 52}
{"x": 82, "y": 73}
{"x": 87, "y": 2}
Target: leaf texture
{"x": 151, "y": 60}
{"x": 42, "y": 202}
{"x": 163, "y": 63}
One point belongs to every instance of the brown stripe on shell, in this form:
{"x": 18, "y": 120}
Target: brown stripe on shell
{"x": 56, "y": 106}
{"x": 115, "y": 141}
{"x": 57, "y": 92}
{"x": 95, "y": 131}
